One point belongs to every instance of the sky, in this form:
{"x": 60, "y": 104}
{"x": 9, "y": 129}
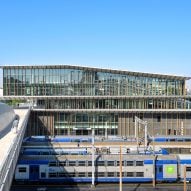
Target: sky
{"x": 136, "y": 35}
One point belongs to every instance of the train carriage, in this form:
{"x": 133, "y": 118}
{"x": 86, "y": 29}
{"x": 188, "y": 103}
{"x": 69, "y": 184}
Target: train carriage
{"x": 71, "y": 168}
{"x": 185, "y": 162}
{"x": 166, "y": 168}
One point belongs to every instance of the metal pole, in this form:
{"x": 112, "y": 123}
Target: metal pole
{"x": 120, "y": 173}
{"x": 185, "y": 189}
{"x": 136, "y": 131}
{"x": 145, "y": 136}
{"x": 106, "y": 130}
{"x": 93, "y": 154}
{"x": 154, "y": 183}
{"x": 135, "y": 127}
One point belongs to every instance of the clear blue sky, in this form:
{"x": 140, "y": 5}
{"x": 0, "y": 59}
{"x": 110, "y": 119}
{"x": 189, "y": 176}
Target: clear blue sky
{"x": 136, "y": 35}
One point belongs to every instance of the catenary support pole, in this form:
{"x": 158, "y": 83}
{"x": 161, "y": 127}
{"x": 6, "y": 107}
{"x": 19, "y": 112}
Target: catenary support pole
{"x": 93, "y": 156}
{"x": 120, "y": 173}
{"x": 185, "y": 189}
{"x": 146, "y": 137}
{"x": 154, "y": 165}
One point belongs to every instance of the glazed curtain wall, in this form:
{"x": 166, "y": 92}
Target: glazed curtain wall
{"x": 113, "y": 103}
{"x": 83, "y": 82}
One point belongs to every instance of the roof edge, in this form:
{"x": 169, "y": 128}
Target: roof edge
{"x": 125, "y": 72}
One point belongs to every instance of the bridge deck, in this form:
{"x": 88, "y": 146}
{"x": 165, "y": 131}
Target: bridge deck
{"x": 10, "y": 146}
{"x": 7, "y": 141}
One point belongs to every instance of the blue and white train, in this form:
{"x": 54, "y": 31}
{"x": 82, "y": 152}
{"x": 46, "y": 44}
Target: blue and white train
{"x": 54, "y": 151}
{"x": 78, "y": 168}
{"x": 64, "y": 139}
{"x": 172, "y": 138}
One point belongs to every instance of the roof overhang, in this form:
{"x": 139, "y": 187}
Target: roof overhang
{"x": 113, "y": 71}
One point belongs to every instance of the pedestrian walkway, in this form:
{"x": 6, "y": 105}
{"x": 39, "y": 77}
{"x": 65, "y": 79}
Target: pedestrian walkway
{"x": 10, "y": 147}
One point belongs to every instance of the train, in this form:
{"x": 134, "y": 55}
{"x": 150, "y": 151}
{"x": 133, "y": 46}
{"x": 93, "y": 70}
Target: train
{"x": 64, "y": 139}
{"x": 172, "y": 138}
{"x": 55, "y": 163}
{"x": 88, "y": 150}
{"x": 78, "y": 168}
{"x": 88, "y": 139}
{"x": 54, "y": 151}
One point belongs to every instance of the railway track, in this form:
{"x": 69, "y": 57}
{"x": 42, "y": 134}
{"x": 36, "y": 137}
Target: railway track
{"x": 103, "y": 187}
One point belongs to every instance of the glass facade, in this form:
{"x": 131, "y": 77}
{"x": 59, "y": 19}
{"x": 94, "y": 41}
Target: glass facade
{"x": 72, "y": 100}
{"x": 114, "y": 103}
{"x": 84, "y": 82}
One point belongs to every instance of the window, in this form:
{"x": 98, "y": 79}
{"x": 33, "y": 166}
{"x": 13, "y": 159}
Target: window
{"x": 45, "y": 153}
{"x": 158, "y": 118}
{"x": 129, "y": 163}
{"x": 160, "y": 169}
{"x": 110, "y": 174}
{"x": 62, "y": 174}
{"x": 52, "y": 174}
{"x": 81, "y": 163}
{"x": 139, "y": 174}
{"x": 81, "y": 174}
{"x": 118, "y": 174}
{"x": 72, "y": 163}
{"x": 22, "y": 169}
{"x": 100, "y": 163}
{"x": 63, "y": 163}
{"x": 89, "y": 163}
{"x": 110, "y": 163}
{"x": 71, "y": 174}
{"x": 139, "y": 163}
{"x": 89, "y": 174}
{"x": 43, "y": 175}
{"x": 130, "y": 174}
{"x": 188, "y": 168}
{"x": 52, "y": 164}
{"x": 101, "y": 174}
{"x": 118, "y": 163}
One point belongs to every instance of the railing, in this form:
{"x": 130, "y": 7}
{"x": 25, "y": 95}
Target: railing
{"x": 10, "y": 161}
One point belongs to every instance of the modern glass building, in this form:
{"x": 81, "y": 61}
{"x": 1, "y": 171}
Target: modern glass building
{"x": 73, "y": 99}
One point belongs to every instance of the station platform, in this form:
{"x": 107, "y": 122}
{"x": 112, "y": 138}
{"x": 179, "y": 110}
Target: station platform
{"x": 106, "y": 144}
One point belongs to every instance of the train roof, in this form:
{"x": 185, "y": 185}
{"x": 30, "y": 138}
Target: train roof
{"x": 167, "y": 157}
{"x": 184, "y": 156}
{"x": 61, "y": 138}
{"x": 172, "y": 136}
{"x": 85, "y": 157}
{"x": 97, "y": 157}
